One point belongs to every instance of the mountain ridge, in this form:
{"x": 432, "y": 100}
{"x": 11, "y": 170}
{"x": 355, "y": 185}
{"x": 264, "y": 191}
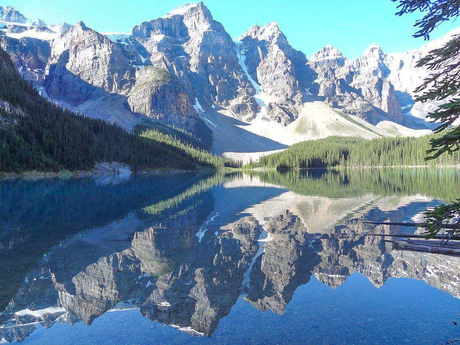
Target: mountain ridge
{"x": 259, "y": 81}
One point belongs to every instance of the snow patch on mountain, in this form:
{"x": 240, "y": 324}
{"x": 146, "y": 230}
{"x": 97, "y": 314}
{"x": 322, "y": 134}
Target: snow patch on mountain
{"x": 117, "y": 37}
{"x": 180, "y": 11}
{"x": 261, "y": 249}
{"x": 204, "y": 227}
{"x": 260, "y": 98}
{"x": 11, "y": 15}
{"x": 41, "y": 312}
{"x": 241, "y": 60}
{"x": 33, "y": 33}
{"x": 15, "y": 25}
{"x": 197, "y": 106}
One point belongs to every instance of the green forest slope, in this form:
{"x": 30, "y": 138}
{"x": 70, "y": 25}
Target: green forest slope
{"x": 38, "y": 135}
{"x": 356, "y": 152}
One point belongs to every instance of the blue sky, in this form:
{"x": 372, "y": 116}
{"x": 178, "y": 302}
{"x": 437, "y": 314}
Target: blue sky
{"x": 351, "y": 26}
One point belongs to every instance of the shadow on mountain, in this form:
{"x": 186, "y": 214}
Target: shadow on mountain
{"x": 78, "y": 95}
{"x": 230, "y": 135}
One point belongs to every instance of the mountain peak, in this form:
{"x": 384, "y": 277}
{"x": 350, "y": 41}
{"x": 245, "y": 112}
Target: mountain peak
{"x": 182, "y": 10}
{"x": 11, "y": 15}
{"x": 373, "y": 50}
{"x": 38, "y": 22}
{"x": 328, "y": 52}
{"x": 61, "y": 28}
{"x": 253, "y": 32}
{"x": 81, "y": 25}
{"x": 269, "y": 32}
{"x": 274, "y": 24}
{"x": 271, "y": 28}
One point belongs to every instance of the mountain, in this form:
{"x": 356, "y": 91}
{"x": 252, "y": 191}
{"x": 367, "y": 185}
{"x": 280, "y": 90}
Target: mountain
{"x": 356, "y": 86}
{"x": 201, "y": 55}
{"x": 9, "y": 14}
{"x": 38, "y": 135}
{"x": 279, "y": 73}
{"x": 184, "y": 70}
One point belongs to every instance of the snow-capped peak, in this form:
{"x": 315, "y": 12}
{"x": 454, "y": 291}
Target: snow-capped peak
{"x": 273, "y": 25}
{"x": 61, "y": 28}
{"x": 440, "y": 41}
{"x": 182, "y": 10}
{"x": 38, "y": 22}
{"x": 373, "y": 50}
{"x": 16, "y": 25}
{"x": 270, "y": 29}
{"x": 10, "y": 15}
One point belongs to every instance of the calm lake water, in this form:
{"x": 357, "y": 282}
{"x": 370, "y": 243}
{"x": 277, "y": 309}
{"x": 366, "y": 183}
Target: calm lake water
{"x": 265, "y": 258}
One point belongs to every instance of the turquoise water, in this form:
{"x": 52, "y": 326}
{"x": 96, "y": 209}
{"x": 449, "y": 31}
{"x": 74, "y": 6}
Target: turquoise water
{"x": 224, "y": 259}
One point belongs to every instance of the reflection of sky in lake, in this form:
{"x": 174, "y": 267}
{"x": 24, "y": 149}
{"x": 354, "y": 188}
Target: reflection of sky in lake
{"x": 401, "y": 311}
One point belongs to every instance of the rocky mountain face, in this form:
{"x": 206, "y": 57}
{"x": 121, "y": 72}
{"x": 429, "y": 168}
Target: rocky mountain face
{"x": 92, "y": 59}
{"x": 30, "y": 56}
{"x": 156, "y": 94}
{"x": 279, "y": 73}
{"x": 178, "y": 68}
{"x": 14, "y": 24}
{"x": 200, "y": 54}
{"x": 406, "y": 77}
{"x": 387, "y": 81}
{"x": 359, "y": 87}
{"x": 28, "y": 43}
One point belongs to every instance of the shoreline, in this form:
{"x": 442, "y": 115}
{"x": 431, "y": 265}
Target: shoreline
{"x": 65, "y": 174}
{"x": 358, "y": 167}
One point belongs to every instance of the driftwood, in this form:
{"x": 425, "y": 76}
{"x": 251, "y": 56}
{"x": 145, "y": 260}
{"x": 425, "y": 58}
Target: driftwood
{"x": 420, "y": 225}
{"x": 425, "y": 247}
{"x": 454, "y": 238}
{"x": 439, "y": 244}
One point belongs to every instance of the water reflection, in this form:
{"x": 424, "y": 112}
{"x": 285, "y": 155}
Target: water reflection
{"x": 182, "y": 249}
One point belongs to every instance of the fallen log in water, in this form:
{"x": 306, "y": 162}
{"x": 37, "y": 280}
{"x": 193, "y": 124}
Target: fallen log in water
{"x": 419, "y": 225}
{"x": 426, "y": 248}
{"x": 453, "y": 238}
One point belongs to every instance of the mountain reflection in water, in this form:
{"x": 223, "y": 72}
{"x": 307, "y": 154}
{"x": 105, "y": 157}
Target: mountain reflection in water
{"x": 183, "y": 249}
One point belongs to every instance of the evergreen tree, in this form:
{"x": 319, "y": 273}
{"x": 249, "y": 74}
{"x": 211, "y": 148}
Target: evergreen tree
{"x": 356, "y": 152}
{"x": 39, "y": 135}
{"x": 442, "y": 85}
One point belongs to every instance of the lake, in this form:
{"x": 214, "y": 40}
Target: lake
{"x": 258, "y": 258}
